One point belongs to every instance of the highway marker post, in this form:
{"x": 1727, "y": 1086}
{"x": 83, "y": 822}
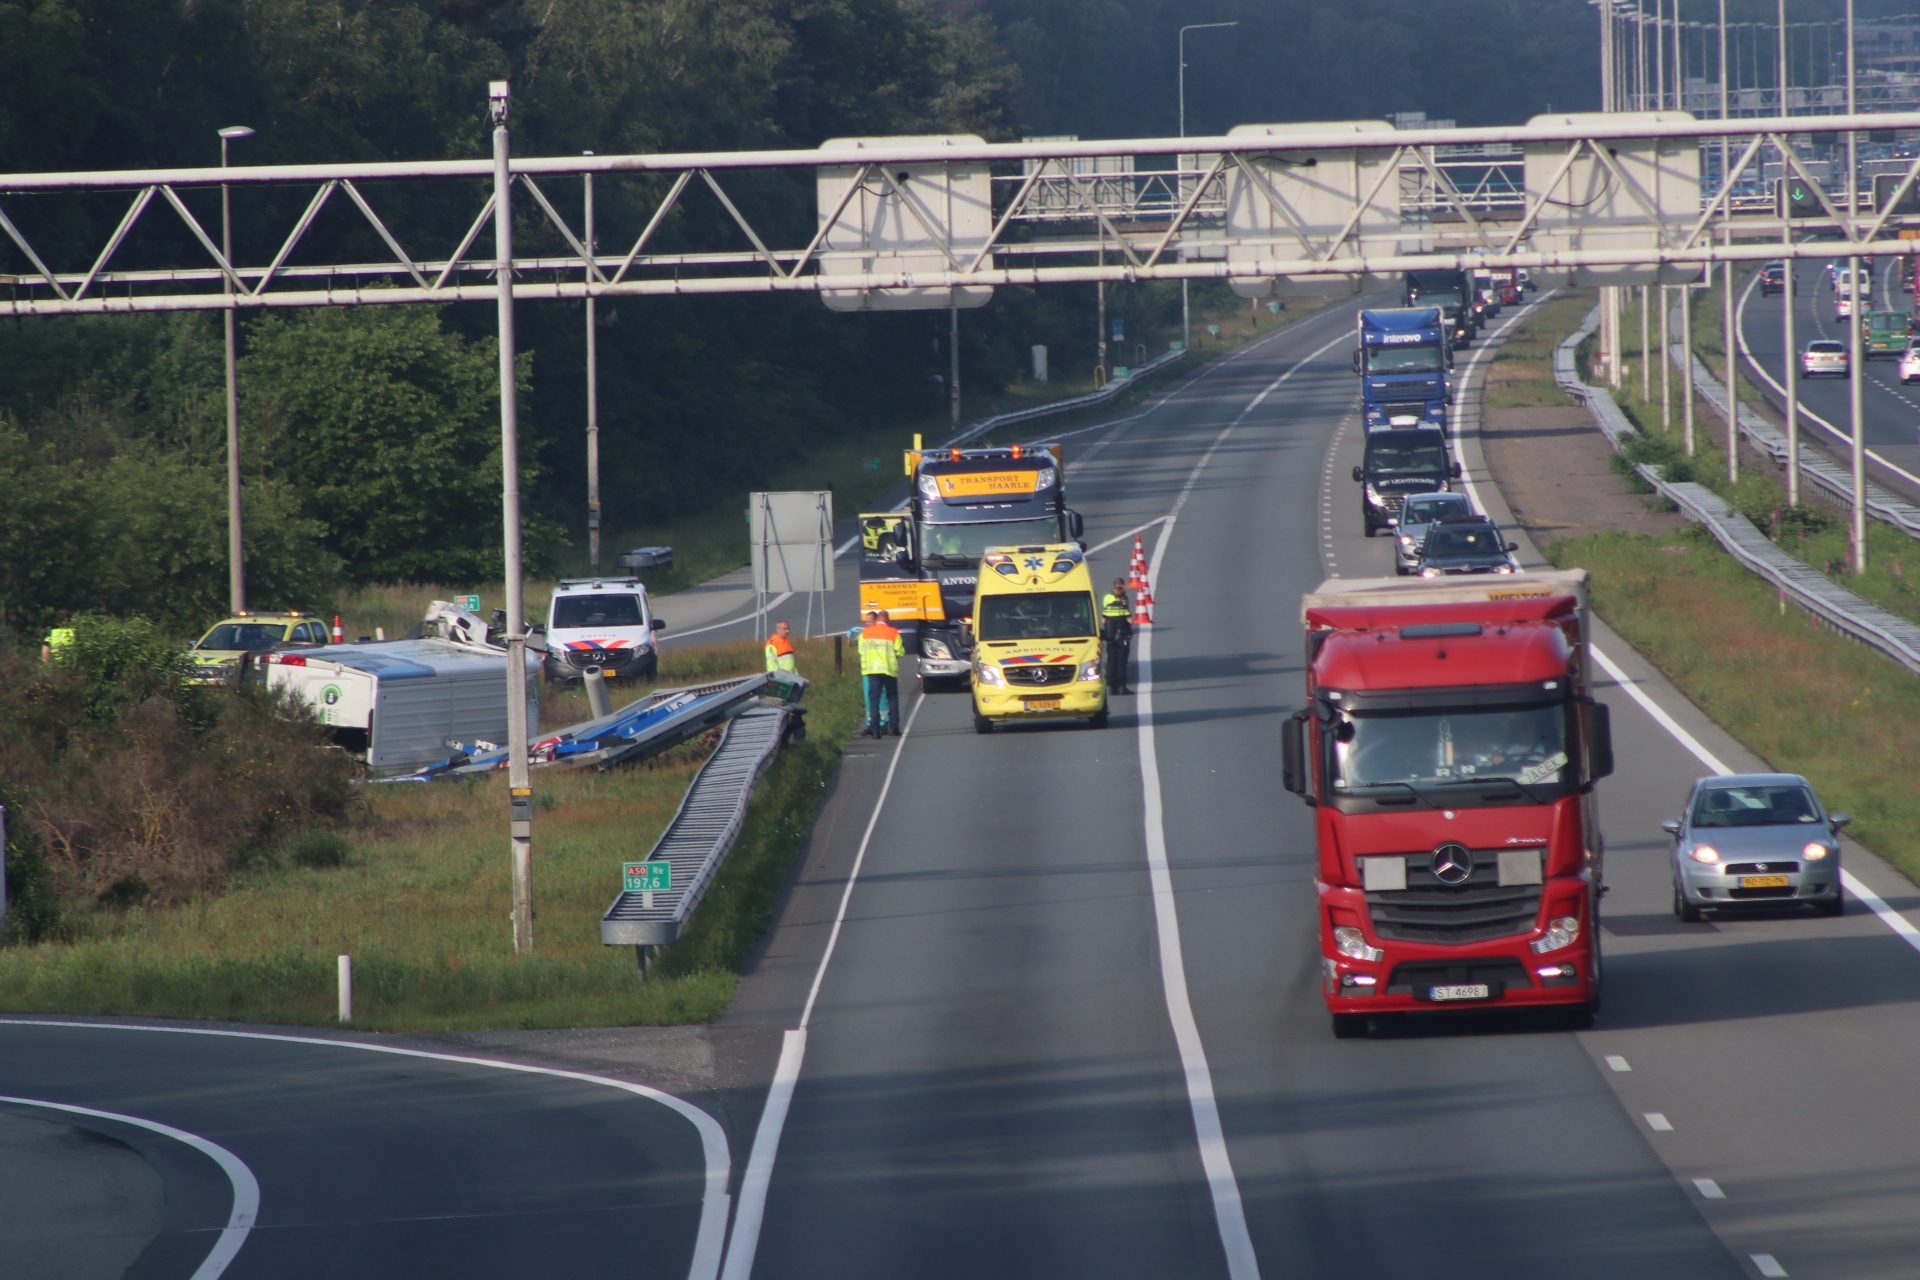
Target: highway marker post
{"x": 344, "y": 982}
{"x": 646, "y": 879}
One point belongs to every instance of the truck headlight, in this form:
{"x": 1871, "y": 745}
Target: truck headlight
{"x": 1090, "y": 670}
{"x": 1562, "y": 931}
{"x": 929, "y": 488}
{"x": 1373, "y": 496}
{"x": 934, "y": 648}
{"x": 1352, "y": 944}
{"x": 987, "y": 673}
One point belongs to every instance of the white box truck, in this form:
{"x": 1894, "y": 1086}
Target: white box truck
{"x": 397, "y": 704}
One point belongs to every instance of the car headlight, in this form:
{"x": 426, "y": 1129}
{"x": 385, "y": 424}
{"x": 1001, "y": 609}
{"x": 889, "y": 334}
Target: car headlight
{"x": 1352, "y": 944}
{"x": 1562, "y": 931}
{"x": 1704, "y": 853}
{"x": 1406, "y": 540}
{"x": 1815, "y": 852}
{"x": 1429, "y": 572}
{"x": 935, "y": 648}
{"x": 1503, "y": 568}
{"x": 988, "y": 673}
{"x": 1090, "y": 670}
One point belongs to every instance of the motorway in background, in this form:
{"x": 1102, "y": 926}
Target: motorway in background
{"x": 995, "y": 1080}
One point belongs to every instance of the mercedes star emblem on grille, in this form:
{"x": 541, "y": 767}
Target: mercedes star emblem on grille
{"x": 1452, "y": 864}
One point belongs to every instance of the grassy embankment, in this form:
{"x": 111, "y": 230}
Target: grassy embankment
{"x": 421, "y": 903}
{"x": 1805, "y": 699}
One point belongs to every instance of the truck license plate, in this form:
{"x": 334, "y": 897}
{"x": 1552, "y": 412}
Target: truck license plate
{"x": 1763, "y": 882}
{"x": 1043, "y": 704}
{"x": 1462, "y": 991}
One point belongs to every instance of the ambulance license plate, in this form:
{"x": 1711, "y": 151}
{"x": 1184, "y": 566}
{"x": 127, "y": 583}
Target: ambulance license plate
{"x": 1463, "y": 991}
{"x": 1043, "y": 704}
{"x": 1763, "y": 882}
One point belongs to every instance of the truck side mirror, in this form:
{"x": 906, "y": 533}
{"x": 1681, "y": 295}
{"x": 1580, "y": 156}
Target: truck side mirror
{"x": 1075, "y": 525}
{"x": 1294, "y": 737}
{"x": 902, "y": 557}
{"x": 1359, "y": 474}
{"x": 1454, "y": 471}
{"x": 1599, "y": 741}
{"x": 1359, "y": 360}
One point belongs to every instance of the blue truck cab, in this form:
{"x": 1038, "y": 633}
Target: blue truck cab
{"x": 1405, "y": 365}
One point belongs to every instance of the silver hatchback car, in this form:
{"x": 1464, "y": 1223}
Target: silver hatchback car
{"x": 1752, "y": 839}
{"x": 1420, "y": 511}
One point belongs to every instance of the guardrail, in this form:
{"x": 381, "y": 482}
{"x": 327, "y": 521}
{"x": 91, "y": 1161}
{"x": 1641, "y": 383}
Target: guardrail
{"x": 1887, "y": 633}
{"x": 1092, "y": 400}
{"x": 698, "y": 839}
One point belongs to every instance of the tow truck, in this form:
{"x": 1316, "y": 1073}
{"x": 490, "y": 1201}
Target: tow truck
{"x": 1449, "y": 749}
{"x": 921, "y": 563}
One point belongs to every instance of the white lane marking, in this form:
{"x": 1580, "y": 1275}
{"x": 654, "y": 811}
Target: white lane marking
{"x": 744, "y": 1241}
{"x": 1217, "y": 1163}
{"x": 1844, "y": 437}
{"x": 246, "y": 1189}
{"x": 1708, "y": 1189}
{"x": 1139, "y": 528}
{"x": 749, "y": 616}
{"x": 1767, "y": 1264}
{"x": 713, "y": 1139}
{"x": 1658, "y": 1122}
{"x": 1617, "y": 1063}
{"x": 1902, "y": 927}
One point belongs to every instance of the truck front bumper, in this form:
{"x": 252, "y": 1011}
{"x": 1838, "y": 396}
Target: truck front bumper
{"x": 940, "y": 667}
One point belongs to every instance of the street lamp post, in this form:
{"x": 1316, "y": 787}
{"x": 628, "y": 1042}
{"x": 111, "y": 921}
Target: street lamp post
{"x": 593, "y": 393}
{"x": 1186, "y": 316}
{"x": 236, "y": 550}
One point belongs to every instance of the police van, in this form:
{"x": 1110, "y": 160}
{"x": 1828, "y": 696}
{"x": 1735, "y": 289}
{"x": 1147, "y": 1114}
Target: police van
{"x": 1036, "y": 638}
{"x": 604, "y": 623}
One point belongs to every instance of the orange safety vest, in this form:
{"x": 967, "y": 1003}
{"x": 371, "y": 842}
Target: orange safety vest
{"x": 779, "y": 654}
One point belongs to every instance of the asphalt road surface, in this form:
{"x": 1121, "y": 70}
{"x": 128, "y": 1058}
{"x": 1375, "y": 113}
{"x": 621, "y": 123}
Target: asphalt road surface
{"x": 1890, "y": 412}
{"x": 998, "y": 1075}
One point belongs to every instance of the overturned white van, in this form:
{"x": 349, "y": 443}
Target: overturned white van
{"x": 400, "y": 704}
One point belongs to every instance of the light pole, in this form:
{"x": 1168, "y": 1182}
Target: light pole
{"x": 519, "y": 783}
{"x": 236, "y": 549}
{"x": 593, "y": 394}
{"x": 1792, "y": 363}
{"x": 1856, "y": 372}
{"x": 1186, "y": 316}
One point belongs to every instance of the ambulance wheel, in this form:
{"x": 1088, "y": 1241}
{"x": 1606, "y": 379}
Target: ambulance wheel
{"x": 1098, "y": 720}
{"x": 981, "y": 724}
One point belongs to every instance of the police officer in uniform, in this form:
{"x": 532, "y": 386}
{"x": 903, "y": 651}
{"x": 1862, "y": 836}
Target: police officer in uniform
{"x": 1116, "y": 628}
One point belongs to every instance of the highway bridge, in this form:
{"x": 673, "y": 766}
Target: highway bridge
{"x": 1046, "y": 1003}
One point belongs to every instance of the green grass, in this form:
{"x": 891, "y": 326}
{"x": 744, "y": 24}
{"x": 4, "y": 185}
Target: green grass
{"x": 1521, "y": 375}
{"x": 1807, "y": 700}
{"x": 421, "y": 902}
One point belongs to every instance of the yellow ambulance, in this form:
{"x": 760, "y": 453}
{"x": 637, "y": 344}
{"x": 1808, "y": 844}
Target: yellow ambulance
{"x": 1036, "y": 638}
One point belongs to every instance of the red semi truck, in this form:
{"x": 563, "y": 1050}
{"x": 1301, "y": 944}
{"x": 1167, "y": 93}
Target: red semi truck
{"x": 1449, "y": 748}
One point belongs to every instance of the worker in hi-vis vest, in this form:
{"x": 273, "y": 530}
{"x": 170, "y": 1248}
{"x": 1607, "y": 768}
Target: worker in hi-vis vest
{"x": 880, "y": 654}
{"x": 61, "y": 637}
{"x": 780, "y": 648}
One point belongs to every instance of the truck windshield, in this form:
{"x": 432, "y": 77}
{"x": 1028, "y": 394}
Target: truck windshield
{"x": 1434, "y": 284}
{"x": 958, "y": 544}
{"x": 1426, "y": 748}
{"x": 1044, "y": 615}
{"x": 1406, "y": 459}
{"x": 597, "y": 611}
{"x": 1403, "y": 359}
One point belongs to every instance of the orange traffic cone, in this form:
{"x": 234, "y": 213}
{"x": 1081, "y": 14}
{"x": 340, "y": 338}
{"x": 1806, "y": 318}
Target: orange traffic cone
{"x": 339, "y": 636}
{"x": 1141, "y": 618}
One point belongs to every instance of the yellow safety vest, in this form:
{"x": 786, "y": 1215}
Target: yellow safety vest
{"x": 59, "y": 638}
{"x": 1114, "y": 606}
{"x": 880, "y": 651}
{"x": 780, "y": 654}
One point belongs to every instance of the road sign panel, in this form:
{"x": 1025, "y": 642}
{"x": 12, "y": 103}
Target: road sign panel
{"x": 470, "y": 603}
{"x": 646, "y": 877}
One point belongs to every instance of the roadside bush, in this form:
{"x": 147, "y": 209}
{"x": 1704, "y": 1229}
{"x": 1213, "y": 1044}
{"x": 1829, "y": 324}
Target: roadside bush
{"x": 318, "y": 849}
{"x": 136, "y": 785}
{"x": 33, "y": 908}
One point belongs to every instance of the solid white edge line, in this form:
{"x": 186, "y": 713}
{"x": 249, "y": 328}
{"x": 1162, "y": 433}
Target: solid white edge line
{"x": 713, "y": 1139}
{"x": 744, "y": 1240}
{"x": 1215, "y": 1161}
{"x": 1844, "y": 438}
{"x": 246, "y": 1189}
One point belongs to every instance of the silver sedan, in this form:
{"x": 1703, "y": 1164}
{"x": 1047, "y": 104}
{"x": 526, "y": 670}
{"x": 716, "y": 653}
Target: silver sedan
{"x": 1420, "y": 511}
{"x": 1754, "y": 839}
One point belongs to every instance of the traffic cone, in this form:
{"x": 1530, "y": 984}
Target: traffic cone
{"x": 1141, "y": 618}
{"x": 339, "y": 636}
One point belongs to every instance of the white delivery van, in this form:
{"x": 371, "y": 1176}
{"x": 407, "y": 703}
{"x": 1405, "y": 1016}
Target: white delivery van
{"x": 601, "y": 622}
{"x": 397, "y": 704}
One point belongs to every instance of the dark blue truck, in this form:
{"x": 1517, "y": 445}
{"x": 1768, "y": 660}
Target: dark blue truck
{"x": 1405, "y": 365}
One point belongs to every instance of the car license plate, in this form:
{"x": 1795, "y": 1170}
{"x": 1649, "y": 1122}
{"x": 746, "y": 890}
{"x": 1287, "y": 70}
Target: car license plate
{"x": 1043, "y": 704}
{"x": 1763, "y": 882}
{"x": 1462, "y": 991}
